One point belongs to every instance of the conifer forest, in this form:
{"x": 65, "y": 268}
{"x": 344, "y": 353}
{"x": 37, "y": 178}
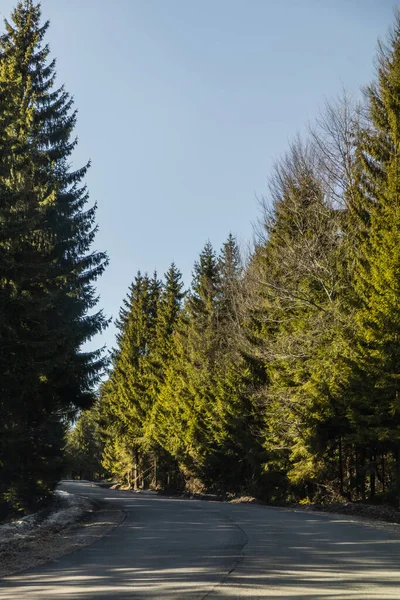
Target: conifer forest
{"x": 276, "y": 373}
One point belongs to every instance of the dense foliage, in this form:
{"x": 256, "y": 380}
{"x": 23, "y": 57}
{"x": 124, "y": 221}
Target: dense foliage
{"x": 279, "y": 376}
{"x": 47, "y": 269}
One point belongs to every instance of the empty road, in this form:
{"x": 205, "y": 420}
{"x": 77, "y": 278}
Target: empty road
{"x": 175, "y": 549}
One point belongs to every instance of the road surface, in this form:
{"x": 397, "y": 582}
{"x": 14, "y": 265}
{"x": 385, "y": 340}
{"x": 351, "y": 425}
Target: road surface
{"x": 177, "y": 549}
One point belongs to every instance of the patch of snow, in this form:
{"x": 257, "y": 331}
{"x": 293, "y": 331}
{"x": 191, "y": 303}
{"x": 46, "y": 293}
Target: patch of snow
{"x": 68, "y": 509}
{"x": 74, "y": 509}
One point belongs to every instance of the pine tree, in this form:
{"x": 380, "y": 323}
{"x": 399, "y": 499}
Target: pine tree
{"x": 167, "y": 316}
{"x": 49, "y": 284}
{"x": 230, "y": 267}
{"x": 233, "y": 461}
{"x": 374, "y": 380}
{"x": 182, "y": 426}
{"x": 129, "y": 394}
{"x": 166, "y": 470}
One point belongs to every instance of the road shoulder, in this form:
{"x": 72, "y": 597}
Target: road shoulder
{"x": 57, "y": 535}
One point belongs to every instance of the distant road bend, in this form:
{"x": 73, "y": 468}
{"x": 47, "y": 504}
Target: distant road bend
{"x": 176, "y": 549}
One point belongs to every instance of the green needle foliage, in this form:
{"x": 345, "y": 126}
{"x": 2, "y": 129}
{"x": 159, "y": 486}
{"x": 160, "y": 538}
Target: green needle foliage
{"x": 48, "y": 270}
{"x": 186, "y": 394}
{"x": 128, "y": 399}
{"x": 176, "y": 405}
{"x": 83, "y": 450}
{"x": 374, "y": 379}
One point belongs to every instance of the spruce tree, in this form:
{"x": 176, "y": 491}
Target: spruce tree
{"x": 47, "y": 242}
{"x": 231, "y": 268}
{"x": 182, "y": 426}
{"x": 233, "y": 462}
{"x": 169, "y": 309}
{"x": 167, "y": 316}
{"x": 375, "y": 223}
{"x": 129, "y": 394}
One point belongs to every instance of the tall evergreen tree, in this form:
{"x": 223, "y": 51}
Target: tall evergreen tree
{"x": 182, "y": 426}
{"x": 129, "y": 394}
{"x": 374, "y": 220}
{"x": 231, "y": 268}
{"x": 234, "y": 459}
{"x": 49, "y": 284}
{"x": 168, "y": 312}
{"x": 166, "y": 470}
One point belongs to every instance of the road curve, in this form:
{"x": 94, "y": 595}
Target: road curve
{"x": 175, "y": 549}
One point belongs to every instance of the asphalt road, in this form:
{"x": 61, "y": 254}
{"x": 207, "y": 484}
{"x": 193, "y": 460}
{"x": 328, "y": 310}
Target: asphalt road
{"x": 190, "y": 549}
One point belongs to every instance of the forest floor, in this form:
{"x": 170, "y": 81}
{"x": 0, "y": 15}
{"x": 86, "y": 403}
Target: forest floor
{"x": 71, "y": 522}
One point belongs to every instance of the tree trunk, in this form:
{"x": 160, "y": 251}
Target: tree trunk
{"x": 136, "y": 470}
{"x": 341, "y": 491}
{"x": 360, "y": 473}
{"x": 372, "y": 478}
{"x": 397, "y": 459}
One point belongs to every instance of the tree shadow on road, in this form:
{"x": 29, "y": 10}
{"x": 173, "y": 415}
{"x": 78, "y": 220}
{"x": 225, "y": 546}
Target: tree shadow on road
{"x": 177, "y": 549}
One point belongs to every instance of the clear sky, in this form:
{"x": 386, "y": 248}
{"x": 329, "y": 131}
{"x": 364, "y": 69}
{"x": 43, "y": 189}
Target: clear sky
{"x": 184, "y": 105}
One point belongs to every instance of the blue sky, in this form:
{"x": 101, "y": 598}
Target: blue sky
{"x": 184, "y": 105}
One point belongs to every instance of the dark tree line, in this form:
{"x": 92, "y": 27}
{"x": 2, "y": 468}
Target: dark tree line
{"x": 47, "y": 269}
